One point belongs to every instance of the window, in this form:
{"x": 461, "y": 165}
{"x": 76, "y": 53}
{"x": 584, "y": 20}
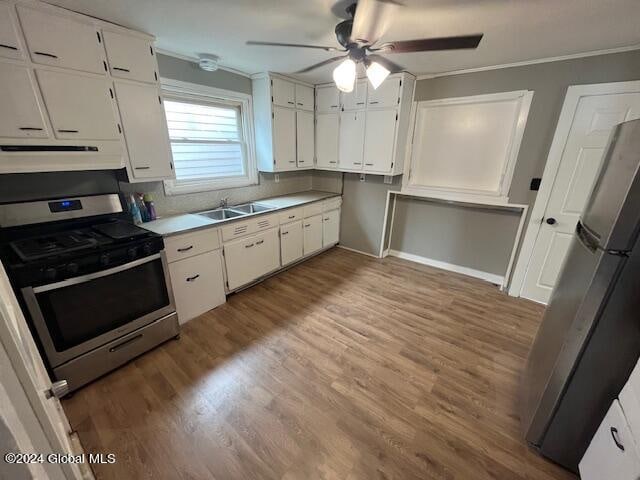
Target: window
{"x": 211, "y": 138}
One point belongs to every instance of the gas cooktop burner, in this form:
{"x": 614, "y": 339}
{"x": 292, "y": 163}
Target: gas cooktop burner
{"x": 54, "y": 244}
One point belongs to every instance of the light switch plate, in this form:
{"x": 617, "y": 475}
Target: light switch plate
{"x": 363, "y": 177}
{"x": 276, "y": 177}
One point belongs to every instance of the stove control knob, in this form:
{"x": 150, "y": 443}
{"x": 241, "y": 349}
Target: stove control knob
{"x": 147, "y": 249}
{"x": 50, "y": 273}
{"x": 72, "y": 268}
{"x": 132, "y": 253}
{"x": 104, "y": 259}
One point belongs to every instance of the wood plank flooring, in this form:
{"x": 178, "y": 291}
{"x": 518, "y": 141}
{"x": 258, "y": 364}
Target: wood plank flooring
{"x": 344, "y": 367}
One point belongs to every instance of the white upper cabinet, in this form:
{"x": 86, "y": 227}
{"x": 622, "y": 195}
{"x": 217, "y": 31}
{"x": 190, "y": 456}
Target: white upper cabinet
{"x": 357, "y": 99}
{"x": 304, "y": 97}
{"x": 284, "y": 138}
{"x": 379, "y": 140}
{"x": 145, "y": 131}
{"x": 305, "y": 137}
{"x": 386, "y": 95}
{"x": 130, "y": 57}
{"x": 327, "y": 99}
{"x": 9, "y": 44}
{"x": 61, "y": 41}
{"x": 327, "y": 131}
{"x": 283, "y": 92}
{"x": 22, "y": 113}
{"x": 79, "y": 106}
{"x": 351, "y": 141}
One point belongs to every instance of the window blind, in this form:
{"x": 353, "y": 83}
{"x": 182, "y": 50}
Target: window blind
{"x": 206, "y": 140}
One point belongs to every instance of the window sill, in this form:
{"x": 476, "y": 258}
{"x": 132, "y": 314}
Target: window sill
{"x": 177, "y": 187}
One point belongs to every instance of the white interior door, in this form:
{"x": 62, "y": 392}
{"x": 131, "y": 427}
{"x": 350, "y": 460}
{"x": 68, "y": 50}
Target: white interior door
{"x": 305, "y": 136}
{"x": 23, "y": 354}
{"x": 594, "y": 118}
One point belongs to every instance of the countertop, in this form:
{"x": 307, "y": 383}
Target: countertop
{"x": 186, "y": 222}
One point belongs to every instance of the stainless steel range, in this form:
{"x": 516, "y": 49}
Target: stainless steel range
{"x": 94, "y": 286}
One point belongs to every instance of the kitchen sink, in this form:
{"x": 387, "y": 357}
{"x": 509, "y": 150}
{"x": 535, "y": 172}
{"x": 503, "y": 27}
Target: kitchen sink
{"x": 222, "y": 214}
{"x": 252, "y": 207}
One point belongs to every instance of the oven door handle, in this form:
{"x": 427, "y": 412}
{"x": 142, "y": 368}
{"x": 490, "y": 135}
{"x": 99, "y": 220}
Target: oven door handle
{"x": 92, "y": 276}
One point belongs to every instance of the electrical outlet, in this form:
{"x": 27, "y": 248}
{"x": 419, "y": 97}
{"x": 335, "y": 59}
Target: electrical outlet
{"x": 388, "y": 179}
{"x": 276, "y": 177}
{"x": 363, "y": 177}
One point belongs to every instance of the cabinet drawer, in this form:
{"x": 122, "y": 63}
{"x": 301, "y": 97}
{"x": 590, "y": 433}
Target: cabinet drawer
{"x": 612, "y": 452}
{"x": 332, "y": 204}
{"x": 197, "y": 284}
{"x": 189, "y": 244}
{"x": 291, "y": 215}
{"x": 237, "y": 229}
{"x": 311, "y": 210}
{"x": 264, "y": 222}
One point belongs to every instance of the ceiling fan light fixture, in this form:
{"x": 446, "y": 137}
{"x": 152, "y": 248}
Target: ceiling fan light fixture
{"x": 376, "y": 74}
{"x": 345, "y": 75}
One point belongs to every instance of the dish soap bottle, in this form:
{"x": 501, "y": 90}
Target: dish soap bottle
{"x": 134, "y": 210}
{"x": 151, "y": 206}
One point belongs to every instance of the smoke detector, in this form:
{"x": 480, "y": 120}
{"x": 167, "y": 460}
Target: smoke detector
{"x": 208, "y": 63}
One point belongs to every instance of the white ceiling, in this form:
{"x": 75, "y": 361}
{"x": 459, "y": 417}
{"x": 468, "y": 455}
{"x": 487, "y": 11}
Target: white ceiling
{"x": 515, "y": 30}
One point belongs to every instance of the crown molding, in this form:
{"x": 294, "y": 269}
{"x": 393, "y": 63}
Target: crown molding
{"x": 194, "y": 59}
{"x": 559, "y": 58}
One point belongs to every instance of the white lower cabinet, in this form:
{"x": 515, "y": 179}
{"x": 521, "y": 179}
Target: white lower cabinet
{"x": 197, "y": 284}
{"x": 330, "y": 227}
{"x": 612, "y": 452}
{"x": 312, "y": 234}
{"x": 291, "y": 242}
{"x": 250, "y": 258}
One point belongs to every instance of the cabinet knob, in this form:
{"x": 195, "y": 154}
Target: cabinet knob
{"x": 551, "y": 221}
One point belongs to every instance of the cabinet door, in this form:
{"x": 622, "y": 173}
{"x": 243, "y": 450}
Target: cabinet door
{"x": 305, "y": 139}
{"x": 130, "y": 57}
{"x": 9, "y": 44}
{"x": 327, "y": 99}
{"x": 379, "y": 140}
{"x": 145, "y": 130}
{"x": 312, "y": 233}
{"x": 291, "y": 242}
{"x": 80, "y": 107}
{"x": 351, "y": 141}
{"x": 304, "y": 97}
{"x": 612, "y": 451}
{"x": 22, "y": 114}
{"x": 284, "y": 138}
{"x": 61, "y": 41}
{"x": 358, "y": 98}
{"x": 250, "y": 258}
{"x": 283, "y": 92}
{"x": 198, "y": 284}
{"x": 327, "y": 129}
{"x": 330, "y": 227}
{"x": 386, "y": 95}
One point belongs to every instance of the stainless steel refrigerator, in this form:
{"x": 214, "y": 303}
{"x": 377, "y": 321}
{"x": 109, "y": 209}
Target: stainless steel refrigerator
{"x": 589, "y": 339}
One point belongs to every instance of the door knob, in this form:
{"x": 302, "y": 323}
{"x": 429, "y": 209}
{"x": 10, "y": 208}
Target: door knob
{"x": 551, "y": 221}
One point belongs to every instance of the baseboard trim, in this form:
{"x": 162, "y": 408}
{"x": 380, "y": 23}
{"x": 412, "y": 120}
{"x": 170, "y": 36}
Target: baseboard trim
{"x": 357, "y": 251}
{"x": 489, "y": 277}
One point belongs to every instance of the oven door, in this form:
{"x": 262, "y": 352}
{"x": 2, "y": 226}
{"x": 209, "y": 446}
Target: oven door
{"x": 79, "y": 314}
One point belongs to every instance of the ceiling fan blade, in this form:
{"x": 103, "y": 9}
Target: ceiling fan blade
{"x": 372, "y": 19}
{"x": 431, "y": 44}
{"x": 321, "y": 64}
{"x": 388, "y": 64}
{"x": 296, "y": 45}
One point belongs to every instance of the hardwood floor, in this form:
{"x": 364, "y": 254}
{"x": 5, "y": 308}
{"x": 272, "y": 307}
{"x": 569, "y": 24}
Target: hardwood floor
{"x": 344, "y": 367}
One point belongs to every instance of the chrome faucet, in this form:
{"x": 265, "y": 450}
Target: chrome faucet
{"x": 224, "y": 202}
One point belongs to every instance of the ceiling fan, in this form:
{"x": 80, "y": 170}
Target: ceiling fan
{"x": 359, "y": 35}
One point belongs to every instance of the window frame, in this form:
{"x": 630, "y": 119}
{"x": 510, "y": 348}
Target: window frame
{"x": 191, "y": 92}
